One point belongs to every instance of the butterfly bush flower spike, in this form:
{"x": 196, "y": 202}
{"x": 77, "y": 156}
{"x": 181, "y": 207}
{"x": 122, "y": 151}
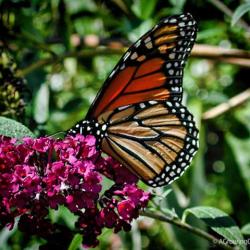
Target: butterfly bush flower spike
{"x": 44, "y": 173}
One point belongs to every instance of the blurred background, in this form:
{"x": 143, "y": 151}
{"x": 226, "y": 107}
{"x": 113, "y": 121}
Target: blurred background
{"x": 55, "y": 55}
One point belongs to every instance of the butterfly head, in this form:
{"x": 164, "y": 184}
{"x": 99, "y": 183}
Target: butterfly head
{"x": 90, "y": 127}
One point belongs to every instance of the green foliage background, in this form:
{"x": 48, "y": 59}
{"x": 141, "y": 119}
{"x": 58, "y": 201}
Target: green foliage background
{"x": 62, "y": 87}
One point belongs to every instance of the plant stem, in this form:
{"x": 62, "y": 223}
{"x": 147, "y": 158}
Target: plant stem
{"x": 177, "y": 222}
{"x": 223, "y": 8}
{"x": 56, "y": 59}
{"x": 233, "y": 56}
{"x": 228, "y": 105}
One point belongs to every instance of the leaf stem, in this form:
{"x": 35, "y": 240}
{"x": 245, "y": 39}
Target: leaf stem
{"x": 177, "y": 222}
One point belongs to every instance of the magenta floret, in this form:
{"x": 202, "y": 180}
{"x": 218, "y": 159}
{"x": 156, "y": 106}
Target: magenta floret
{"x": 46, "y": 173}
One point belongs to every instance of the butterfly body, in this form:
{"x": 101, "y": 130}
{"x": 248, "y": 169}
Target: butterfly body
{"x": 137, "y": 117}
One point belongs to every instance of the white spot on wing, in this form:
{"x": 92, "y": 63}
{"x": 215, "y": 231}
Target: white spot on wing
{"x": 104, "y": 127}
{"x": 126, "y": 55}
{"x": 171, "y": 72}
{"x": 149, "y": 45}
{"x": 138, "y": 43}
{"x": 152, "y": 102}
{"x": 172, "y": 55}
{"x": 123, "y": 66}
{"x": 134, "y": 56}
{"x": 169, "y": 65}
{"x": 173, "y": 20}
{"x": 148, "y": 39}
{"x": 142, "y": 105}
{"x": 112, "y": 73}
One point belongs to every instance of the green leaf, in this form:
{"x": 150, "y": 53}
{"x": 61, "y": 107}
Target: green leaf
{"x": 219, "y": 222}
{"x": 178, "y": 3}
{"x": 140, "y": 30}
{"x": 169, "y": 212}
{"x": 5, "y": 236}
{"x": 240, "y": 149}
{"x": 76, "y": 242}
{"x": 144, "y": 8}
{"x": 41, "y": 110}
{"x": 63, "y": 214}
{"x": 13, "y": 129}
{"x": 166, "y": 192}
{"x": 246, "y": 229}
{"x": 239, "y": 12}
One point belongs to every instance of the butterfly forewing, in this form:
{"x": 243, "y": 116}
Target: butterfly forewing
{"x": 156, "y": 140}
{"x": 151, "y": 69}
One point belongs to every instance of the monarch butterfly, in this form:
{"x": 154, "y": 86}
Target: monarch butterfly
{"x": 137, "y": 116}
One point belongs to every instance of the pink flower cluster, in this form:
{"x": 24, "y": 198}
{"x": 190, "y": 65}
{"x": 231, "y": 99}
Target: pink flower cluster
{"x": 46, "y": 173}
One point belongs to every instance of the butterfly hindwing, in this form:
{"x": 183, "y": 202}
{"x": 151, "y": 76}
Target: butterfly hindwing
{"x": 151, "y": 69}
{"x": 156, "y": 140}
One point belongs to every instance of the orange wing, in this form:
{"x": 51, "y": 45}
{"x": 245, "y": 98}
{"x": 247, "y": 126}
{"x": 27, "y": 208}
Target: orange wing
{"x": 151, "y": 69}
